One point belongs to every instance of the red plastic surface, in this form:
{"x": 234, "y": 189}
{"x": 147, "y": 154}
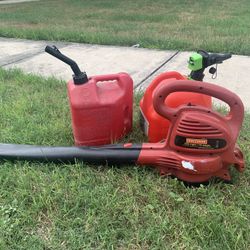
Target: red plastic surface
{"x": 101, "y": 109}
{"x": 156, "y": 126}
{"x": 198, "y": 156}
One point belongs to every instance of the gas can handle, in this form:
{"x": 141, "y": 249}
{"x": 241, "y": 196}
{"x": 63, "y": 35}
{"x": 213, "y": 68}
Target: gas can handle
{"x": 235, "y": 116}
{"x": 111, "y": 77}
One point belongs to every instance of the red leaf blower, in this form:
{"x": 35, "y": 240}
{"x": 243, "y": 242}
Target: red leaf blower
{"x": 201, "y": 143}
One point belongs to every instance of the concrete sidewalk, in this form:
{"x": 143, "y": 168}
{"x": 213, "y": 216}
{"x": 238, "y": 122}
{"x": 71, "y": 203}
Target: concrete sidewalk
{"x": 16, "y": 1}
{"x": 142, "y": 64}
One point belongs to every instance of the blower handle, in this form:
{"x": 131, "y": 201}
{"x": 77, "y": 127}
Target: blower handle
{"x": 235, "y": 116}
{"x": 79, "y": 76}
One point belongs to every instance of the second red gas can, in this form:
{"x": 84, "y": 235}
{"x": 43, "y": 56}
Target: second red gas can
{"x": 155, "y": 126}
{"x": 101, "y": 108}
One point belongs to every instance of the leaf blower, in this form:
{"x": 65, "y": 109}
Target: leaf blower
{"x": 155, "y": 126}
{"x": 201, "y": 143}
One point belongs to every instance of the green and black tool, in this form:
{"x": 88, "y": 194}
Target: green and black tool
{"x": 200, "y": 60}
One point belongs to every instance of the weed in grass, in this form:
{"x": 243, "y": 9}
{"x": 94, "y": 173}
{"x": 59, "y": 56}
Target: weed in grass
{"x": 48, "y": 206}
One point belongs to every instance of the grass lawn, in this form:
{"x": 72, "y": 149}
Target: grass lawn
{"x": 47, "y": 206}
{"x": 219, "y": 25}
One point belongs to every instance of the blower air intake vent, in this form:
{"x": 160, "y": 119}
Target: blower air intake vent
{"x": 170, "y": 162}
{"x": 192, "y": 127}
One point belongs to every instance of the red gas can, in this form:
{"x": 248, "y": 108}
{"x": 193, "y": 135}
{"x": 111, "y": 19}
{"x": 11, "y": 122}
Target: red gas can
{"x": 101, "y": 108}
{"x": 155, "y": 126}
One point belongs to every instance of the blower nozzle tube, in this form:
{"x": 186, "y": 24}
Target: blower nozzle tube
{"x": 110, "y": 154}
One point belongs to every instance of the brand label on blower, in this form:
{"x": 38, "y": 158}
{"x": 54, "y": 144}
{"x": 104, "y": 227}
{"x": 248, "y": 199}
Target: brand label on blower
{"x": 199, "y": 143}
